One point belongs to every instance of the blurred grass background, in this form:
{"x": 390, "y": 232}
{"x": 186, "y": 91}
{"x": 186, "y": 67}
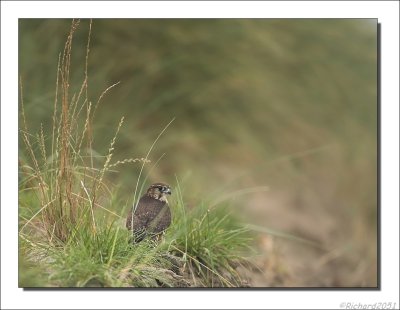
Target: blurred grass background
{"x": 286, "y": 103}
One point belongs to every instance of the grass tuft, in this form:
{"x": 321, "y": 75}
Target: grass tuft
{"x": 211, "y": 241}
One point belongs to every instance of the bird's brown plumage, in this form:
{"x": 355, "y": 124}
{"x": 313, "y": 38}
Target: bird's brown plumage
{"x": 152, "y": 215}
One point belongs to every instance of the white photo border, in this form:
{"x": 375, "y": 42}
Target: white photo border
{"x": 387, "y": 13}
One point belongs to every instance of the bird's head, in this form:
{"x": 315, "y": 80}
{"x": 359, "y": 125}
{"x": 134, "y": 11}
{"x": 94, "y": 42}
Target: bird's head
{"x": 159, "y": 191}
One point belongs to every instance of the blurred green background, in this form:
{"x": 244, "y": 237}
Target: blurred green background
{"x": 286, "y": 103}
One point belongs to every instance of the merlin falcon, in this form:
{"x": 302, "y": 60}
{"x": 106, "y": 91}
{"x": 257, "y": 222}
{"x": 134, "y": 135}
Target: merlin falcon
{"x": 152, "y": 215}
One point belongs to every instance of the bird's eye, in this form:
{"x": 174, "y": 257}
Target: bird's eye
{"x": 161, "y": 188}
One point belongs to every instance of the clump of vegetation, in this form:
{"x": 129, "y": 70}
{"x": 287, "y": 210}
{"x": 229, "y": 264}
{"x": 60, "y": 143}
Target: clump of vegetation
{"x": 69, "y": 236}
{"x": 63, "y": 169}
{"x": 211, "y": 242}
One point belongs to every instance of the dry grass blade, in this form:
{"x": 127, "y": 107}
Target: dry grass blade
{"x": 136, "y": 194}
{"x": 91, "y": 206}
{"x": 129, "y": 160}
{"x": 109, "y": 155}
{"x": 35, "y": 215}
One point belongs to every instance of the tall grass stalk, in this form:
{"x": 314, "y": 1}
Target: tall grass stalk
{"x": 137, "y": 193}
{"x": 68, "y": 183}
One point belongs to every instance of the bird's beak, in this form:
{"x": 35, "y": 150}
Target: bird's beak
{"x": 168, "y": 191}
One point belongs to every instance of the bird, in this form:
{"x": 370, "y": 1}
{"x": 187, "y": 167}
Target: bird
{"x": 152, "y": 215}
